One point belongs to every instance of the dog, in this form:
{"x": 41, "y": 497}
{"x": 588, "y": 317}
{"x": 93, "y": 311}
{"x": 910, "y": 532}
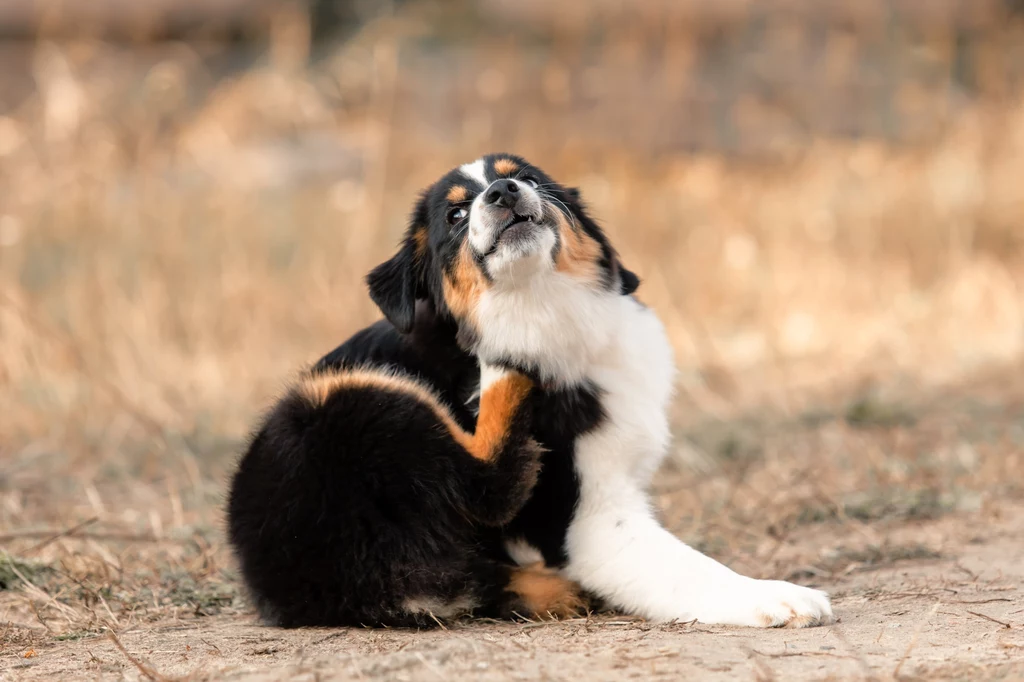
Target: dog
{"x": 488, "y": 446}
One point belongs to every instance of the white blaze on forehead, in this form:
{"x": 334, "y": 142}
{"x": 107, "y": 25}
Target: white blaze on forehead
{"x": 475, "y": 171}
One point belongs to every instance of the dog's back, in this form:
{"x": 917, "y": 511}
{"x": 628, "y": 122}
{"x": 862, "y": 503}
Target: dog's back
{"x": 363, "y": 500}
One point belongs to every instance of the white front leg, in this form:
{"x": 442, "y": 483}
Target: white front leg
{"x": 618, "y": 551}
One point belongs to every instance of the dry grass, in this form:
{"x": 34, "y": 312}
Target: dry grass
{"x": 848, "y": 315}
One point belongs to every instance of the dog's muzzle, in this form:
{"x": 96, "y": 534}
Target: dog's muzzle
{"x": 507, "y": 194}
{"x": 504, "y": 193}
{"x": 509, "y": 211}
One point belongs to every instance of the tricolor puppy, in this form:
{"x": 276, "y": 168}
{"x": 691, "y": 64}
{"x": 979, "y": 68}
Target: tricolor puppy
{"x": 397, "y": 483}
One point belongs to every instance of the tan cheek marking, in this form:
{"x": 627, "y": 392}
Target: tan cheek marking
{"x": 544, "y": 593}
{"x": 497, "y": 405}
{"x": 456, "y": 194}
{"x": 463, "y": 287}
{"x": 505, "y": 166}
{"x": 578, "y": 254}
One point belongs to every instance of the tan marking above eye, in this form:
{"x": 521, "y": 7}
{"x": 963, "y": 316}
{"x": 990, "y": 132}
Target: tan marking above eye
{"x": 505, "y": 166}
{"x": 456, "y": 194}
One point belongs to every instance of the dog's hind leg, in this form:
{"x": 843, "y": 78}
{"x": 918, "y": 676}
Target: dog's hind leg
{"x": 527, "y": 592}
{"x": 503, "y": 460}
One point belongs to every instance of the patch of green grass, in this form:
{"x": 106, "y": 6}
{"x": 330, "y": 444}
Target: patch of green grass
{"x": 871, "y": 412}
{"x": 11, "y": 566}
{"x": 730, "y": 441}
{"x": 713, "y": 545}
{"x": 877, "y": 556}
{"x": 888, "y": 505}
{"x": 872, "y": 557}
{"x": 207, "y": 598}
{"x": 913, "y": 505}
{"x": 816, "y": 418}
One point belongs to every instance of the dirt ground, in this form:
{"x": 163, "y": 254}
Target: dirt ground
{"x": 847, "y": 314}
{"x": 959, "y": 615}
{"x": 907, "y": 511}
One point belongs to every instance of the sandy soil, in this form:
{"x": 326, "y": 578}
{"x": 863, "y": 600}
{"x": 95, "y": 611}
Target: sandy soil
{"x": 959, "y": 615}
{"x": 847, "y": 314}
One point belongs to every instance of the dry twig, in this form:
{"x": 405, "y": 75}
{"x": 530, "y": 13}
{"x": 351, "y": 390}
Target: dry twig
{"x": 990, "y": 618}
{"x": 146, "y": 670}
{"x": 62, "y": 534}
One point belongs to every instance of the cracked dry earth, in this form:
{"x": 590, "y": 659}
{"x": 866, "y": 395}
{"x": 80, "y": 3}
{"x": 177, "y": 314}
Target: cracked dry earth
{"x": 956, "y": 615}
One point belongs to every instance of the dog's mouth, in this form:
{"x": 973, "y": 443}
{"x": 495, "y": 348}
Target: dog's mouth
{"x": 517, "y": 219}
{"x": 517, "y": 228}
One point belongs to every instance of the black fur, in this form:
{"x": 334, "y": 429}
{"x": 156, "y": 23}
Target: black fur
{"x": 559, "y": 418}
{"x": 428, "y": 352}
{"x": 396, "y": 284}
{"x": 345, "y": 510}
{"x": 341, "y": 513}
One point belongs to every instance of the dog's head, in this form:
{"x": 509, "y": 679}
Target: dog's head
{"x": 495, "y": 223}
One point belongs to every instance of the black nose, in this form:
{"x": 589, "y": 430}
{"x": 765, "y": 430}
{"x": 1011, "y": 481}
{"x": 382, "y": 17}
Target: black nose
{"x": 502, "y": 193}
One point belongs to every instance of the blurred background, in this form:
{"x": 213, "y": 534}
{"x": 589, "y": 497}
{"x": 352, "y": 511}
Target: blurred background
{"x": 825, "y": 201}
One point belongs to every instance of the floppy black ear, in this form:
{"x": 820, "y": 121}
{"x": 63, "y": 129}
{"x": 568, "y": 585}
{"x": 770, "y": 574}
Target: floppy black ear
{"x": 397, "y": 283}
{"x": 630, "y": 282}
{"x": 393, "y": 287}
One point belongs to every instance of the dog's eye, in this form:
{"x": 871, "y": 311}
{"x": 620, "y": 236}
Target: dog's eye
{"x": 532, "y": 182}
{"x": 456, "y": 214}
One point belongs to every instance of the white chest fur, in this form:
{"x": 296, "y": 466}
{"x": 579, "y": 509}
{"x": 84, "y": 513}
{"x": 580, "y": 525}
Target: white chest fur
{"x": 616, "y": 548}
{"x": 551, "y": 321}
{"x": 574, "y": 334}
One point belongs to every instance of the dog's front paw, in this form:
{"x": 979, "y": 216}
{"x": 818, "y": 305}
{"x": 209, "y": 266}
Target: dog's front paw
{"x": 770, "y": 604}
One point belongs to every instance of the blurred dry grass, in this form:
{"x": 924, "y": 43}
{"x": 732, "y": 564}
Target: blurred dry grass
{"x": 177, "y": 237}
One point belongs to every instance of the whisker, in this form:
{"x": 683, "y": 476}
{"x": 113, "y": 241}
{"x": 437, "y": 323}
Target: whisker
{"x": 564, "y": 208}
{"x": 457, "y": 232}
